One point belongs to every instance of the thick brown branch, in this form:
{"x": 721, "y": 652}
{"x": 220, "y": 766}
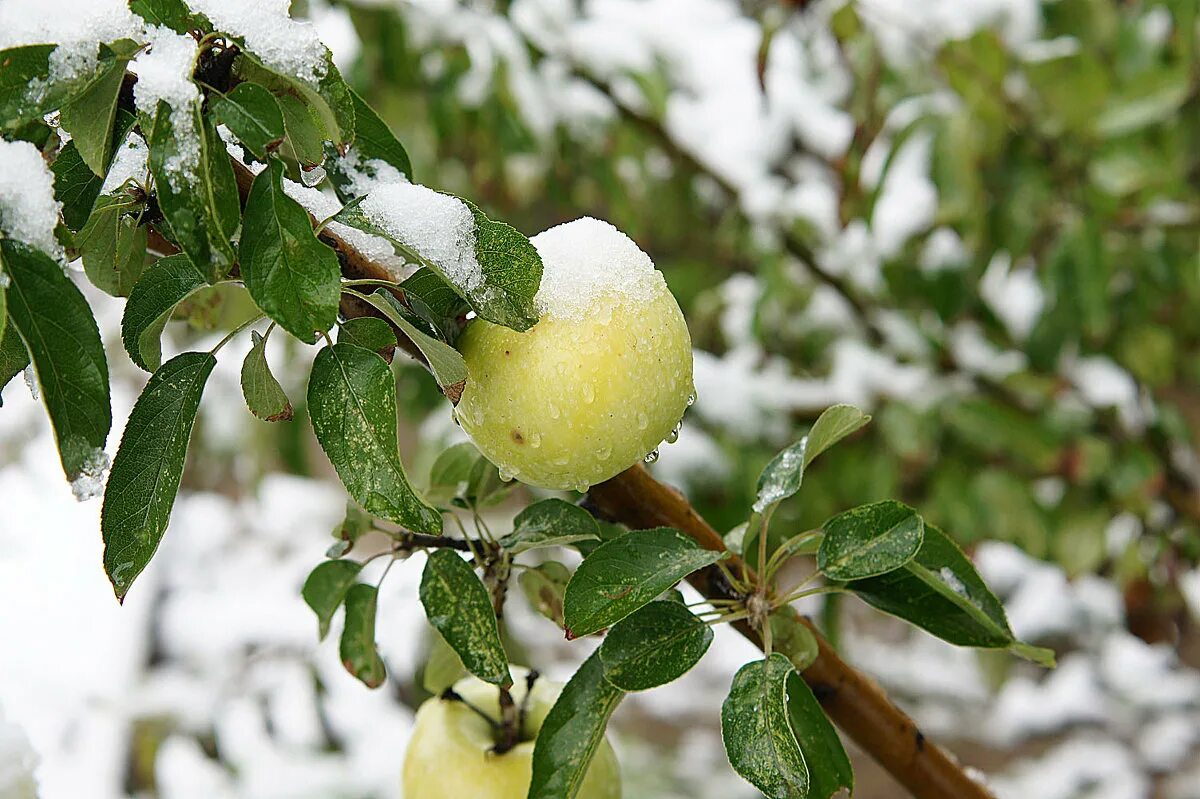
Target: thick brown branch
{"x": 853, "y": 700}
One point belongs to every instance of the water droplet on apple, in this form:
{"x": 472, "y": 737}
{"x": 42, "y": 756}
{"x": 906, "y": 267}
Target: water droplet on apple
{"x": 506, "y": 475}
{"x": 651, "y": 456}
{"x": 691, "y": 400}
{"x": 553, "y": 411}
{"x": 535, "y": 440}
{"x": 589, "y": 395}
{"x": 642, "y": 421}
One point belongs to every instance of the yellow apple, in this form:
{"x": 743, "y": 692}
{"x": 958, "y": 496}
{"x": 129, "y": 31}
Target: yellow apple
{"x": 450, "y": 753}
{"x": 598, "y": 383}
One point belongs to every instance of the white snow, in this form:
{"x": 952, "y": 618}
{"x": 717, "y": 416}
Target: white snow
{"x": 76, "y": 26}
{"x": 286, "y": 45}
{"x": 586, "y": 260}
{"x": 165, "y": 73}
{"x": 322, "y": 206}
{"x": 90, "y": 481}
{"x": 1013, "y": 293}
{"x": 17, "y": 763}
{"x": 439, "y": 227}
{"x": 28, "y": 210}
{"x": 1104, "y": 384}
{"x": 130, "y": 162}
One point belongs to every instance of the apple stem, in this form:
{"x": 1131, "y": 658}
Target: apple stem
{"x": 530, "y": 679}
{"x": 510, "y": 732}
{"x": 451, "y": 695}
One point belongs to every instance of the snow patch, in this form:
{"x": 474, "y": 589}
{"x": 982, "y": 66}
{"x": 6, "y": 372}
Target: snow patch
{"x": 165, "y": 74}
{"x": 439, "y": 227}
{"x": 286, "y": 45}
{"x": 76, "y": 26}
{"x": 587, "y": 259}
{"x": 28, "y": 210}
{"x": 90, "y": 481}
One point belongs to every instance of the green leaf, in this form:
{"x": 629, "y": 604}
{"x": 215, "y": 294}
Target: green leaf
{"x": 13, "y": 357}
{"x": 149, "y": 463}
{"x": 829, "y": 768}
{"x": 572, "y": 732}
{"x": 357, "y": 647}
{"x": 624, "y": 574}
{"x": 355, "y": 524}
{"x": 458, "y": 606}
{"x": 443, "y": 667}
{"x": 758, "y": 735}
{"x": 792, "y": 638}
{"x": 305, "y": 131}
{"x": 165, "y": 284}
{"x": 90, "y": 114}
{"x": 870, "y": 540}
{"x": 446, "y": 363}
{"x": 654, "y": 646}
{"x": 63, "y": 342}
{"x": 113, "y": 246}
{"x": 173, "y": 14}
{"x": 252, "y": 114}
{"x": 544, "y": 586}
{"x": 291, "y": 275}
{"x": 199, "y": 201}
{"x": 434, "y": 301}
{"x": 549, "y": 523}
{"x": 940, "y": 592}
{"x": 368, "y": 332}
{"x": 783, "y": 475}
{"x": 326, "y": 588}
{"x": 330, "y": 100}
{"x": 76, "y": 186}
{"x": 352, "y": 403}
{"x": 450, "y": 475}
{"x": 26, "y": 91}
{"x": 373, "y": 141}
{"x": 264, "y": 396}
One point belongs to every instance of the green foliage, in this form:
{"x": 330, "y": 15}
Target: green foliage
{"x": 357, "y": 645}
{"x": 458, "y": 606}
{"x": 165, "y": 284}
{"x": 290, "y": 274}
{"x": 572, "y": 731}
{"x": 264, "y": 396}
{"x": 653, "y": 646}
{"x": 624, "y": 574}
{"x": 148, "y": 466}
{"x": 373, "y": 141}
{"x": 352, "y": 404}
{"x": 447, "y": 365}
{"x": 112, "y": 245}
{"x": 326, "y": 587}
{"x": 869, "y": 541}
{"x": 757, "y": 729}
{"x": 828, "y": 766}
{"x": 63, "y": 342}
{"x": 548, "y": 523}
{"x": 252, "y": 114}
{"x": 90, "y": 113}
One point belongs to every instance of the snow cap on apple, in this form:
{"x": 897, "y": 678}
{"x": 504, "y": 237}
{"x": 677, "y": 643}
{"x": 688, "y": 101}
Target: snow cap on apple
{"x": 598, "y": 383}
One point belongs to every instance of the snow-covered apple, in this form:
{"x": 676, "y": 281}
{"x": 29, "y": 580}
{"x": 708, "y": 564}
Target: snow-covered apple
{"x": 450, "y": 754}
{"x": 598, "y": 383}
